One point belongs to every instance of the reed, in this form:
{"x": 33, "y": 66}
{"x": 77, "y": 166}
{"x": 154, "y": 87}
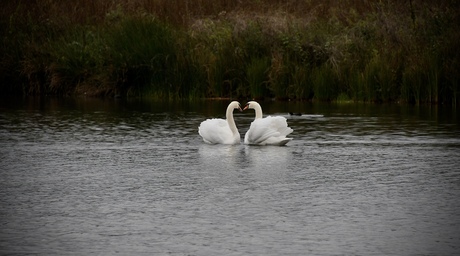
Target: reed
{"x": 304, "y": 50}
{"x": 256, "y": 73}
{"x": 142, "y": 55}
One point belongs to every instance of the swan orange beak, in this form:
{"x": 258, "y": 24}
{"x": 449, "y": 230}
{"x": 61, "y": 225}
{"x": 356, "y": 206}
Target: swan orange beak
{"x": 246, "y": 107}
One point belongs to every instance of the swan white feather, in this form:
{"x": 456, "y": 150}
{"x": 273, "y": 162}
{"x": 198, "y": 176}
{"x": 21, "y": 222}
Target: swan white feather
{"x": 271, "y": 130}
{"x": 220, "y": 131}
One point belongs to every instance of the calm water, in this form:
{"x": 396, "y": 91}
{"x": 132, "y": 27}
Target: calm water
{"x": 81, "y": 176}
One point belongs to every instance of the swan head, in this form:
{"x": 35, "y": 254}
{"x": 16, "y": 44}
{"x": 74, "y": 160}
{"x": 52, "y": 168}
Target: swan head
{"x": 251, "y": 105}
{"x": 235, "y": 105}
{"x": 257, "y": 108}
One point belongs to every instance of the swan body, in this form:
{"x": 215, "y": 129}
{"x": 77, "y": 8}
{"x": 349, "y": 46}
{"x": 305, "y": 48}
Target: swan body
{"x": 271, "y": 130}
{"x": 220, "y": 131}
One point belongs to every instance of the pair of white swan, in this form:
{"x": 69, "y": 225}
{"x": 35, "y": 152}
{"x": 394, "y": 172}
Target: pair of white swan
{"x": 271, "y": 130}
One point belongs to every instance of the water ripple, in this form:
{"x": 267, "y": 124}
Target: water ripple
{"x": 143, "y": 182}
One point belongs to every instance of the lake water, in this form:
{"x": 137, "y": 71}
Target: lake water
{"x": 105, "y": 177}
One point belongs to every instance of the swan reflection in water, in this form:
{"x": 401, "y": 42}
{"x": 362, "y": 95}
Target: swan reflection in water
{"x": 262, "y": 162}
{"x": 219, "y": 156}
{"x": 268, "y": 162}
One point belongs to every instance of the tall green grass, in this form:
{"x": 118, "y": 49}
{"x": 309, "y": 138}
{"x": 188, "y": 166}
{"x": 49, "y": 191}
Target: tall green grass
{"x": 257, "y": 75}
{"x": 302, "y": 50}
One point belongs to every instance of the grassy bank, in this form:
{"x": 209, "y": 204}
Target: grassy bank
{"x": 371, "y": 51}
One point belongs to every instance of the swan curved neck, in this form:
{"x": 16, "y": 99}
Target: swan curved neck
{"x": 258, "y": 109}
{"x": 230, "y": 120}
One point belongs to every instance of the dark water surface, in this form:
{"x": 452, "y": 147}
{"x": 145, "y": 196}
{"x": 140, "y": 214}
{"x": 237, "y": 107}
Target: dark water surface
{"x": 87, "y": 176}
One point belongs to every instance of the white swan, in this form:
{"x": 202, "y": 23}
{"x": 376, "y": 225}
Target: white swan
{"x": 271, "y": 130}
{"x": 220, "y": 131}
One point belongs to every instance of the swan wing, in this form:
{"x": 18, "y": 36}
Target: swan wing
{"x": 268, "y": 131}
{"x": 279, "y": 124}
{"x": 216, "y": 131}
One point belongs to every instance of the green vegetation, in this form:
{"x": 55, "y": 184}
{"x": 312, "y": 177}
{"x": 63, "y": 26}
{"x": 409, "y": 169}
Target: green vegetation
{"x": 350, "y": 50}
